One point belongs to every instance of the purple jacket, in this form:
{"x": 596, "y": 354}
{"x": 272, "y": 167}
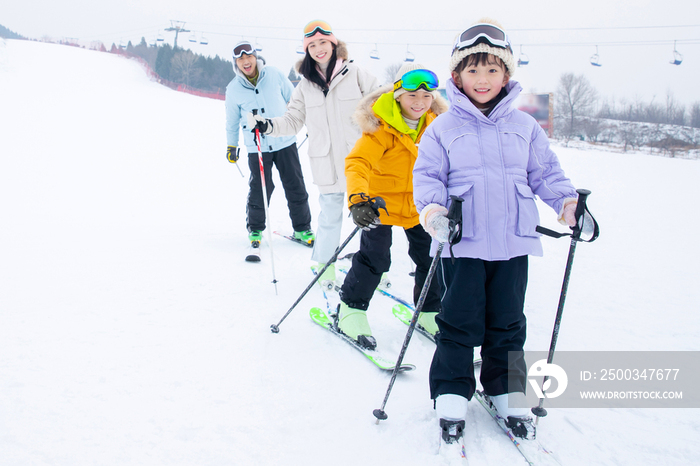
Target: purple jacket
{"x": 497, "y": 165}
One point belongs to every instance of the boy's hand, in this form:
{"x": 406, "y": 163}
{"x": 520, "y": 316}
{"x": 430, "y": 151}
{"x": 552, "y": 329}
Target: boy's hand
{"x": 364, "y": 216}
{"x": 232, "y": 153}
{"x": 434, "y": 220}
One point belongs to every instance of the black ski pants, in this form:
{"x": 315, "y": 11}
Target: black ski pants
{"x": 374, "y": 258}
{"x": 483, "y": 305}
{"x": 287, "y": 162}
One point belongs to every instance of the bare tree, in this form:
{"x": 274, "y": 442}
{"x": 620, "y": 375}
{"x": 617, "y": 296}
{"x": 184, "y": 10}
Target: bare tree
{"x": 390, "y": 72}
{"x": 184, "y": 67}
{"x": 695, "y": 115}
{"x": 576, "y": 98}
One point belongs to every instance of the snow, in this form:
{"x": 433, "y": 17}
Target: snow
{"x": 133, "y": 332}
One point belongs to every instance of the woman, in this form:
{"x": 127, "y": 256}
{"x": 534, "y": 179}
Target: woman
{"x": 324, "y": 101}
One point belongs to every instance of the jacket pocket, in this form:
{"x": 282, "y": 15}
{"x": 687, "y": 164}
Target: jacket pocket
{"x": 528, "y": 215}
{"x": 322, "y": 169}
{"x": 466, "y": 192}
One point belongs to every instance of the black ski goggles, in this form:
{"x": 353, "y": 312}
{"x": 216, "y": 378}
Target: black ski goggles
{"x": 240, "y": 49}
{"x": 482, "y": 32}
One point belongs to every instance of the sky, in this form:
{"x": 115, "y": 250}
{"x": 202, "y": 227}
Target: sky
{"x": 634, "y": 43}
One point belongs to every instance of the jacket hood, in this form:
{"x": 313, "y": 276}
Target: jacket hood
{"x": 341, "y": 51}
{"x": 369, "y": 122}
{"x": 260, "y": 65}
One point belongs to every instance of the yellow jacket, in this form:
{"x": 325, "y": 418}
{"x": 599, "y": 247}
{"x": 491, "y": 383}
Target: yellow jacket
{"x": 381, "y": 163}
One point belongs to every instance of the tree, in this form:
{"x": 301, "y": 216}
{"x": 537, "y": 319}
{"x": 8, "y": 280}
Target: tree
{"x": 576, "y": 97}
{"x": 390, "y": 72}
{"x": 184, "y": 67}
{"x": 695, "y": 115}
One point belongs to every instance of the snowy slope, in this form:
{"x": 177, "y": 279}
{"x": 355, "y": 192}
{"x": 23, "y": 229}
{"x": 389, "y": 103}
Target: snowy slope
{"x": 132, "y": 331}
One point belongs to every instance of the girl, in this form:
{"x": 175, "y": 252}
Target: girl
{"x": 497, "y": 159}
{"x": 324, "y": 100}
{"x": 393, "y": 120}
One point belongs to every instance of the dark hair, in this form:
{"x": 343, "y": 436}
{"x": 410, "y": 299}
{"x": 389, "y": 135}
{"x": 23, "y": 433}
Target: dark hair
{"x": 481, "y": 58}
{"x": 308, "y": 69}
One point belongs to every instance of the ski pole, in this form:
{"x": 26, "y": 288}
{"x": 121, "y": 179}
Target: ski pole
{"x": 539, "y": 410}
{"x": 238, "y": 153}
{"x": 455, "y": 216}
{"x": 377, "y": 203}
{"x": 302, "y": 142}
{"x": 266, "y": 200}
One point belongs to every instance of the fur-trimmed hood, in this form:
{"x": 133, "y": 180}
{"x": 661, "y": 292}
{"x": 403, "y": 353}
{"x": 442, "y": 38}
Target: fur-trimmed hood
{"x": 341, "y": 51}
{"x": 369, "y": 122}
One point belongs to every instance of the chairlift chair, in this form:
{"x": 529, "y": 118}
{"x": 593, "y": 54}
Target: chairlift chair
{"x": 160, "y": 38}
{"x": 374, "y": 54}
{"x": 523, "y": 58}
{"x": 409, "y": 56}
{"x": 193, "y": 38}
{"x": 258, "y": 47}
{"x": 300, "y": 50}
{"x": 595, "y": 59}
{"x": 203, "y": 40}
{"x": 677, "y": 57}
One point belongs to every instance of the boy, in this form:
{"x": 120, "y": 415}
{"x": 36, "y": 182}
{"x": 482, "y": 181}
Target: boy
{"x": 393, "y": 120}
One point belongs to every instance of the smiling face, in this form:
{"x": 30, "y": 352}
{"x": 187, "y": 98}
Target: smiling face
{"x": 481, "y": 79}
{"x": 247, "y": 64}
{"x": 415, "y": 103}
{"x": 321, "y": 50}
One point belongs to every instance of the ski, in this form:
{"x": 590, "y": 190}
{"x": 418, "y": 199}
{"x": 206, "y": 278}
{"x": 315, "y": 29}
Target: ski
{"x": 320, "y": 317}
{"x": 449, "y": 452}
{"x": 253, "y": 254}
{"x": 532, "y": 450}
{"x": 405, "y": 314}
{"x": 292, "y": 238}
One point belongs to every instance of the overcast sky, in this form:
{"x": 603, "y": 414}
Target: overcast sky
{"x": 634, "y": 39}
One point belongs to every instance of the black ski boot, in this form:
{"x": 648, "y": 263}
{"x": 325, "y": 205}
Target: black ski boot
{"x": 452, "y": 431}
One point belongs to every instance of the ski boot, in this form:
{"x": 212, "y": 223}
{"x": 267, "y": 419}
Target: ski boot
{"x": 353, "y": 323}
{"x": 305, "y": 236}
{"x": 427, "y": 321}
{"x": 327, "y": 279}
{"x": 518, "y": 420}
{"x": 385, "y": 282}
{"x": 255, "y": 236}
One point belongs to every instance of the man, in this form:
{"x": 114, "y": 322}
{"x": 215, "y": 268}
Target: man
{"x": 265, "y": 89}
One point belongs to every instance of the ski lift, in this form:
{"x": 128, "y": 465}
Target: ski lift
{"x": 160, "y": 38}
{"x": 258, "y": 47}
{"x": 677, "y": 57}
{"x": 122, "y": 45}
{"x": 409, "y": 56}
{"x": 193, "y": 38}
{"x": 523, "y": 58}
{"x": 374, "y": 54}
{"x": 595, "y": 59}
{"x": 203, "y": 40}
{"x": 300, "y": 50}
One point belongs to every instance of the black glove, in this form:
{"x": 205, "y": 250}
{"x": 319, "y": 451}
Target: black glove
{"x": 257, "y": 122}
{"x": 364, "y": 215}
{"x": 232, "y": 154}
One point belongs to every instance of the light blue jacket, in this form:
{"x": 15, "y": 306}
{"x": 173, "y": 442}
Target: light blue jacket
{"x": 497, "y": 164}
{"x": 270, "y": 97}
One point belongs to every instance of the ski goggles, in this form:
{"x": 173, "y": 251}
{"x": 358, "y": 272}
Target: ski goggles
{"x": 240, "y": 49}
{"x": 483, "y": 32}
{"x": 317, "y": 26}
{"x": 416, "y": 79}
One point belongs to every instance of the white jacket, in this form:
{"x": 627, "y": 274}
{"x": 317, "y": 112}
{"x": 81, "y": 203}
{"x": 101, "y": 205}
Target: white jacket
{"x": 328, "y": 119}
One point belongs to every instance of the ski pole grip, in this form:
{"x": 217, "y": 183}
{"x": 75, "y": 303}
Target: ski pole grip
{"x": 580, "y": 209}
{"x": 454, "y": 215}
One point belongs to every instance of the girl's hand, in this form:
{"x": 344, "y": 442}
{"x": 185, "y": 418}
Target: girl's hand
{"x": 433, "y": 217}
